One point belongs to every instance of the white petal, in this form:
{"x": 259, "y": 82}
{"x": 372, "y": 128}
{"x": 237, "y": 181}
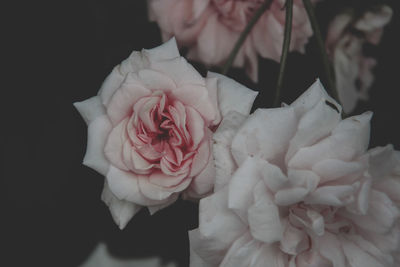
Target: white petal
{"x": 224, "y": 163}
{"x": 330, "y": 248}
{"x": 217, "y": 224}
{"x": 349, "y": 140}
{"x": 263, "y": 216}
{"x": 273, "y": 176}
{"x": 241, "y": 252}
{"x": 290, "y": 196}
{"x": 331, "y": 195}
{"x": 233, "y": 96}
{"x": 382, "y": 161}
{"x": 167, "y": 50}
{"x": 241, "y": 187}
{"x": 212, "y": 87}
{"x": 207, "y": 258}
{"x": 90, "y": 108}
{"x": 356, "y": 257}
{"x": 310, "y": 98}
{"x": 98, "y": 131}
{"x": 266, "y": 133}
{"x": 122, "y": 211}
{"x": 316, "y": 123}
{"x": 331, "y": 169}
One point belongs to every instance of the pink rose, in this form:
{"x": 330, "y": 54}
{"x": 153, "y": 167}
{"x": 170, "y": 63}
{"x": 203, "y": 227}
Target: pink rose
{"x": 210, "y": 28}
{"x": 150, "y": 128}
{"x": 295, "y": 186}
{"x": 353, "y": 69}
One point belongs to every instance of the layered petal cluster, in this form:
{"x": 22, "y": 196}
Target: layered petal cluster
{"x": 150, "y": 128}
{"x": 296, "y": 186}
{"x": 345, "y": 41}
{"x": 210, "y": 28}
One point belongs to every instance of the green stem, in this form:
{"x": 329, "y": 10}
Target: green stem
{"x": 285, "y": 50}
{"x": 244, "y": 34}
{"x": 321, "y": 47}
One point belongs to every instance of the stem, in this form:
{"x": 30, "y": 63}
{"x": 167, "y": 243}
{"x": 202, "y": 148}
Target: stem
{"x": 244, "y": 34}
{"x": 321, "y": 47}
{"x": 285, "y": 49}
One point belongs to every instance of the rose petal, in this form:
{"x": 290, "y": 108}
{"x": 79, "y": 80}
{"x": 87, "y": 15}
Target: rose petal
{"x": 180, "y": 71}
{"x": 202, "y": 156}
{"x": 217, "y": 224}
{"x": 90, "y": 108}
{"x": 331, "y": 249}
{"x": 224, "y": 162}
{"x": 98, "y": 131}
{"x": 156, "y": 208}
{"x": 124, "y": 185}
{"x": 195, "y": 126}
{"x": 263, "y": 216}
{"x": 203, "y": 183}
{"x": 241, "y": 187}
{"x": 356, "y": 257}
{"x": 168, "y": 50}
{"x": 196, "y": 96}
{"x": 268, "y": 139}
{"x": 232, "y": 96}
{"x": 163, "y": 180}
{"x": 121, "y": 103}
{"x": 315, "y": 124}
{"x": 159, "y": 193}
{"x": 273, "y": 176}
{"x": 122, "y": 211}
{"x": 310, "y": 98}
{"x": 349, "y": 139}
{"x": 114, "y": 80}
{"x": 335, "y": 196}
{"x": 113, "y": 148}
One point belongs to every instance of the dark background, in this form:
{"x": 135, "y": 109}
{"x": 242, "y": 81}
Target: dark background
{"x": 59, "y": 52}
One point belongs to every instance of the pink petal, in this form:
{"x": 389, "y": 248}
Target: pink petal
{"x": 160, "y": 193}
{"x": 203, "y": 183}
{"x": 113, "y": 149}
{"x": 196, "y": 96}
{"x": 124, "y": 185}
{"x": 202, "y": 156}
{"x": 195, "y": 126}
{"x": 163, "y": 180}
{"x": 121, "y": 103}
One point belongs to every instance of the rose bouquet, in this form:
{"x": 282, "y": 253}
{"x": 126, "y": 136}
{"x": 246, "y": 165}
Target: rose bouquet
{"x": 286, "y": 185}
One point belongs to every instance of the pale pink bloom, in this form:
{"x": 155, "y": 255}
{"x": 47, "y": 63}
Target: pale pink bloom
{"x": 353, "y": 69}
{"x": 295, "y": 186}
{"x": 210, "y": 28}
{"x": 150, "y": 128}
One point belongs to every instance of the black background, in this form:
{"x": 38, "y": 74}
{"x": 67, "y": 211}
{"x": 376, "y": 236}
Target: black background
{"x": 57, "y": 53}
